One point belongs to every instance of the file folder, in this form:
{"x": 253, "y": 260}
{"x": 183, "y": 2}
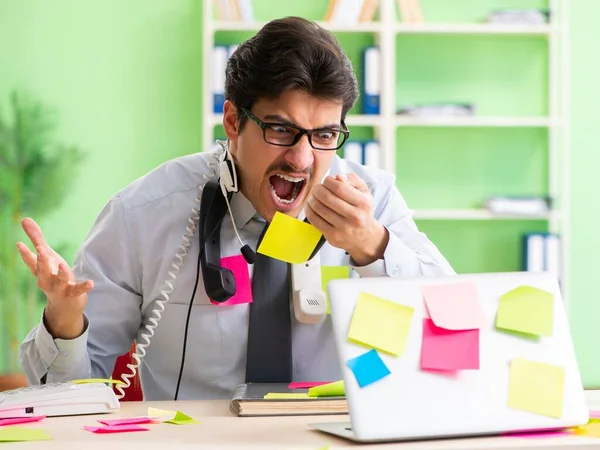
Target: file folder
{"x": 219, "y": 59}
{"x": 371, "y": 156}
{"x": 371, "y": 80}
{"x": 353, "y": 151}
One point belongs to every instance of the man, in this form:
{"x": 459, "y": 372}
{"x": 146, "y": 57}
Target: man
{"x": 288, "y": 91}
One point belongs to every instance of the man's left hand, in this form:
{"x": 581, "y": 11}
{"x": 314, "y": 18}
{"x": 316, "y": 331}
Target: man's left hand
{"x": 342, "y": 209}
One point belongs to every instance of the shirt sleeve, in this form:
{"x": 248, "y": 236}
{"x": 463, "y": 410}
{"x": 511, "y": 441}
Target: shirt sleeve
{"x": 112, "y": 315}
{"x": 409, "y": 251}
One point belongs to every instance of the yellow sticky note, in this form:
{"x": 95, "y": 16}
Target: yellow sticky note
{"x": 526, "y": 309}
{"x": 334, "y": 389}
{"x": 380, "y": 323}
{"x": 97, "y": 380}
{"x": 181, "y": 419}
{"x": 592, "y": 429}
{"x": 329, "y": 273}
{"x": 283, "y": 395}
{"x": 163, "y": 414}
{"x": 22, "y": 434}
{"x": 536, "y": 387}
{"x": 289, "y": 239}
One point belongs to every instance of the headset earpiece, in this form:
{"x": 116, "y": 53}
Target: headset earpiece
{"x": 228, "y": 174}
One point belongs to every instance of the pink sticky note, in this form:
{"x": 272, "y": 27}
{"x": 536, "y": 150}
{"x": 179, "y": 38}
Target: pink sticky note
{"x": 448, "y": 349}
{"x": 115, "y": 429}
{"x": 243, "y": 290}
{"x": 538, "y": 434}
{"x": 594, "y": 414}
{"x": 454, "y": 306}
{"x": 129, "y": 421}
{"x": 305, "y": 384}
{"x": 17, "y": 420}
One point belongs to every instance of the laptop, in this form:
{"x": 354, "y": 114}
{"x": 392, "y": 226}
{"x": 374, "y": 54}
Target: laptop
{"x": 424, "y": 381}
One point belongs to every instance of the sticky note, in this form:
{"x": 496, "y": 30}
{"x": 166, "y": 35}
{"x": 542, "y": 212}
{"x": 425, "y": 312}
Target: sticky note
{"x": 536, "y": 387}
{"x": 21, "y": 434}
{"x": 114, "y": 429}
{"x": 287, "y": 395}
{"x": 305, "y": 384}
{"x": 289, "y": 239}
{"x": 243, "y": 289}
{"x": 368, "y": 368}
{"x": 380, "y": 323}
{"x": 129, "y": 421}
{"x": 453, "y": 306}
{"x": 334, "y": 389}
{"x": 443, "y": 349}
{"x": 526, "y": 309}
{"x": 97, "y": 380}
{"x": 18, "y": 420}
{"x": 591, "y": 429}
{"x": 181, "y": 419}
{"x": 329, "y": 273}
{"x": 173, "y": 417}
{"x": 594, "y": 414}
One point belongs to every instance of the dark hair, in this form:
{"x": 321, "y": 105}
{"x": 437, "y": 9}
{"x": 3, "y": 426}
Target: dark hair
{"x": 290, "y": 53}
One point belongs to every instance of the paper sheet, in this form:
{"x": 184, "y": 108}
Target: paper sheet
{"x": 536, "y": 387}
{"x": 526, "y": 309}
{"x": 21, "y": 434}
{"x": 128, "y": 421}
{"x": 18, "y": 420}
{"x": 305, "y": 384}
{"x": 114, "y": 429}
{"x": 380, "y": 323}
{"x": 368, "y": 368}
{"x": 334, "y": 389}
{"x": 289, "y": 239}
{"x": 243, "y": 289}
{"x": 329, "y": 273}
{"x": 454, "y": 306}
{"x": 443, "y": 349}
{"x": 287, "y": 395}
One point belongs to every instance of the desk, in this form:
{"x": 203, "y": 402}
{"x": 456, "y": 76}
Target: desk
{"x": 218, "y": 429}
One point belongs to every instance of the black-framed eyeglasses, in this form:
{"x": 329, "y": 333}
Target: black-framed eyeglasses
{"x": 288, "y": 135}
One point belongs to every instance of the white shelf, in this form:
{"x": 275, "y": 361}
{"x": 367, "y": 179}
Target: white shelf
{"x": 366, "y": 27}
{"x": 405, "y": 121}
{"x": 473, "y": 214}
{"x": 429, "y": 28}
{"x": 364, "y": 120}
{"x": 216, "y": 119}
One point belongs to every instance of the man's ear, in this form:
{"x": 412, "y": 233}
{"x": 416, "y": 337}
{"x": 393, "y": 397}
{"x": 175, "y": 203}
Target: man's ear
{"x": 230, "y": 120}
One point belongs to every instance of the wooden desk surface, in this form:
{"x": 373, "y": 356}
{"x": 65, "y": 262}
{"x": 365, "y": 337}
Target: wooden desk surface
{"x": 218, "y": 429}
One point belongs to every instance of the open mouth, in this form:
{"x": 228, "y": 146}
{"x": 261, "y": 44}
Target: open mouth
{"x": 285, "y": 188}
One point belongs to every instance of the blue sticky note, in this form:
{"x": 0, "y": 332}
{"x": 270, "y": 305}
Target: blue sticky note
{"x": 368, "y": 368}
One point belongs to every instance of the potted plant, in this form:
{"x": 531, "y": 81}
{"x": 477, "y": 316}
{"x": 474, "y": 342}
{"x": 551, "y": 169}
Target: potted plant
{"x": 35, "y": 175}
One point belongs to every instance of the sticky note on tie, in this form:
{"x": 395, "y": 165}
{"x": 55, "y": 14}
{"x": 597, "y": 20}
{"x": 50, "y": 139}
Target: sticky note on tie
{"x": 536, "y": 387}
{"x": 22, "y": 434}
{"x": 443, "y": 349}
{"x": 453, "y": 306}
{"x": 287, "y": 395}
{"x": 368, "y": 368}
{"x": 289, "y": 239}
{"x": 526, "y": 309}
{"x": 333, "y": 389}
{"x": 243, "y": 289}
{"x": 329, "y": 273}
{"x": 380, "y": 323}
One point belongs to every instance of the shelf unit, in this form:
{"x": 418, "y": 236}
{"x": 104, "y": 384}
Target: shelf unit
{"x": 386, "y": 33}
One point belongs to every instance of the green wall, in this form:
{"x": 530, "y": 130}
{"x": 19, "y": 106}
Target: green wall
{"x": 126, "y": 79}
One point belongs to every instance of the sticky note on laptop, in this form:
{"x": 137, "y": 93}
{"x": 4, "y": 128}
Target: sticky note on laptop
{"x": 536, "y": 387}
{"x": 443, "y": 349}
{"x": 528, "y": 310}
{"x": 368, "y": 368}
{"x": 289, "y": 239}
{"x": 453, "y": 306}
{"x": 380, "y": 324}
{"x": 329, "y": 273}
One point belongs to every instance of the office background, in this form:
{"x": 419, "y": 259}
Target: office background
{"x": 126, "y": 81}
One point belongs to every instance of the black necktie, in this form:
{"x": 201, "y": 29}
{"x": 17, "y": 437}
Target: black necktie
{"x": 269, "y": 353}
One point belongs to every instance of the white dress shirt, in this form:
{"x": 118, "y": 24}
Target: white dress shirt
{"x": 129, "y": 253}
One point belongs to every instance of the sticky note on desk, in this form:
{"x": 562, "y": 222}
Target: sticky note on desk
{"x": 591, "y": 429}
{"x": 526, "y": 309}
{"x": 21, "y": 434}
{"x": 368, "y": 368}
{"x": 453, "y": 306}
{"x": 289, "y": 239}
{"x": 18, "y": 420}
{"x": 97, "y": 380}
{"x": 443, "y": 349}
{"x": 286, "y": 395}
{"x": 380, "y": 323}
{"x": 536, "y": 387}
{"x": 173, "y": 417}
{"x": 128, "y": 421}
{"x": 114, "y": 429}
{"x": 333, "y": 389}
{"x": 243, "y": 290}
{"x": 329, "y": 273}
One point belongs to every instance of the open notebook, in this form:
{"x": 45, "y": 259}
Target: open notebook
{"x": 274, "y": 399}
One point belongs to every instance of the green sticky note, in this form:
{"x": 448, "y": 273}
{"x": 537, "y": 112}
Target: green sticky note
{"x": 22, "y": 434}
{"x": 181, "y": 419}
{"x": 526, "y": 309}
{"x": 97, "y": 380}
{"x": 286, "y": 395}
{"x": 335, "y": 389}
{"x": 329, "y": 273}
{"x": 536, "y": 387}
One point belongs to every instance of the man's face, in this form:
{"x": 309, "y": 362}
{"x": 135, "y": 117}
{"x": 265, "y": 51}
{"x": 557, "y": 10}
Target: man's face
{"x": 275, "y": 178}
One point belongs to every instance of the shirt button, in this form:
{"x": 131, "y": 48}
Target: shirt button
{"x": 395, "y": 271}
{"x": 64, "y": 353}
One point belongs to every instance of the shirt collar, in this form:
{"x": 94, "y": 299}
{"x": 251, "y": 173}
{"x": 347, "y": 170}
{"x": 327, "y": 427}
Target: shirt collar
{"x": 242, "y": 210}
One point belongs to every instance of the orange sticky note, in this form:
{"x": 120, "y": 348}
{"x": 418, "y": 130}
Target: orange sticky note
{"x": 453, "y": 306}
{"x": 289, "y": 239}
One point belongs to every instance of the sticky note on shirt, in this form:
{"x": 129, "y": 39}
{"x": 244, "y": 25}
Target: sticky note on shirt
{"x": 453, "y": 306}
{"x": 22, "y": 434}
{"x": 380, "y": 323}
{"x": 536, "y": 387}
{"x": 243, "y": 289}
{"x": 526, "y": 309}
{"x": 443, "y": 349}
{"x": 289, "y": 239}
{"x": 333, "y": 389}
{"x": 368, "y": 368}
{"x": 329, "y": 273}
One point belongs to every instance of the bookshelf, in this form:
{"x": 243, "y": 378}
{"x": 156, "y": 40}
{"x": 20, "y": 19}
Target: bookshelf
{"x": 515, "y": 144}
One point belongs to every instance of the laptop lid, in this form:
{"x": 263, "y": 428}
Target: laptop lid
{"x": 434, "y": 362}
